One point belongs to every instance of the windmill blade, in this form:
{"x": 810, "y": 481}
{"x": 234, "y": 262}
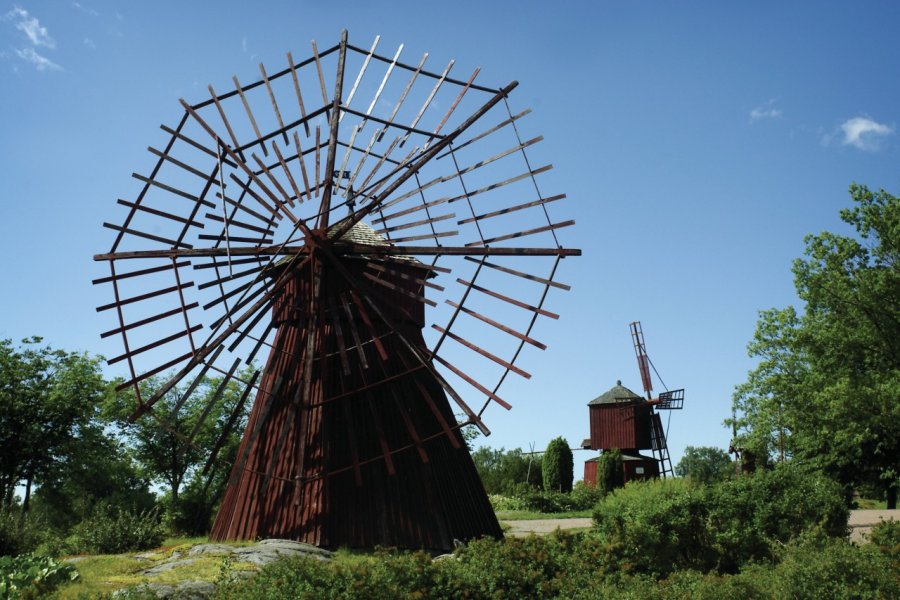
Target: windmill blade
{"x": 640, "y": 350}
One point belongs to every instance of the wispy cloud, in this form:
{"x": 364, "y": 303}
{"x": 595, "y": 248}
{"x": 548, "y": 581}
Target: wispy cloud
{"x": 765, "y": 111}
{"x": 37, "y": 35}
{"x": 41, "y": 63}
{"x": 85, "y": 9}
{"x": 244, "y": 44}
{"x": 30, "y": 26}
{"x": 89, "y": 43}
{"x": 864, "y": 133}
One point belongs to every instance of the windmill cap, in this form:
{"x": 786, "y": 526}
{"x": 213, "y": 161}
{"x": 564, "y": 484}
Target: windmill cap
{"x": 614, "y": 395}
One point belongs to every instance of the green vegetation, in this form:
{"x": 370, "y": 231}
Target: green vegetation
{"x": 670, "y": 539}
{"x": 159, "y": 445}
{"x": 505, "y": 471}
{"x": 825, "y": 391}
{"x": 609, "y": 471}
{"x": 705, "y": 464}
{"x": 556, "y": 466}
{"x": 30, "y": 576}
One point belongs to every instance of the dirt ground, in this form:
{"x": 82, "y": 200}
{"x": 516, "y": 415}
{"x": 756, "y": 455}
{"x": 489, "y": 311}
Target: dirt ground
{"x": 860, "y": 522}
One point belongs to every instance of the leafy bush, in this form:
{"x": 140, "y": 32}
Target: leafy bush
{"x": 502, "y": 471}
{"x": 572, "y": 567}
{"x": 111, "y": 531}
{"x": 585, "y": 497}
{"x": 19, "y": 533}
{"x": 192, "y": 514}
{"x": 816, "y": 566}
{"x": 610, "y": 474}
{"x": 667, "y": 525}
{"x": 886, "y": 536}
{"x": 656, "y": 526}
{"x": 31, "y": 576}
{"x": 750, "y": 517}
{"x": 557, "y": 465}
{"x": 705, "y": 464}
{"x": 500, "y": 502}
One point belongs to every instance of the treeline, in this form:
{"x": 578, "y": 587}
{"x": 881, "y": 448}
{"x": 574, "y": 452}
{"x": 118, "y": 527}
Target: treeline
{"x": 827, "y": 386}
{"x": 77, "y": 476}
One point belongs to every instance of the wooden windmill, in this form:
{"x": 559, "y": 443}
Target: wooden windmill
{"x": 626, "y": 421}
{"x": 326, "y": 234}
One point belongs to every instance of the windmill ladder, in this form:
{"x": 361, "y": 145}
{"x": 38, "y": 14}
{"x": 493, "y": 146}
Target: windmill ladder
{"x": 660, "y": 448}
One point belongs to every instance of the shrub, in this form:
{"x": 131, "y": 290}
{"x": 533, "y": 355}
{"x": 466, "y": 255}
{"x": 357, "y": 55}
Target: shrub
{"x": 751, "y": 516}
{"x": 192, "y": 514}
{"x": 656, "y": 526}
{"x": 610, "y": 474}
{"x": 31, "y": 576}
{"x": 500, "y": 502}
{"x": 584, "y": 497}
{"x": 816, "y": 566}
{"x": 19, "y": 533}
{"x": 557, "y": 466}
{"x": 111, "y": 531}
{"x": 886, "y": 537}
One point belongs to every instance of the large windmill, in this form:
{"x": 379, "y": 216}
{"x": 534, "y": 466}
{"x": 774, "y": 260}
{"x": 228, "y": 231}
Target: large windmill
{"x": 621, "y": 419}
{"x": 323, "y": 232}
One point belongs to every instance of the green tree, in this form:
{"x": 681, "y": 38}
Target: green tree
{"x": 705, "y": 464}
{"x": 502, "y": 471}
{"x": 49, "y": 414}
{"x": 557, "y": 466}
{"x": 826, "y": 388}
{"x": 172, "y": 446}
{"x": 610, "y": 473}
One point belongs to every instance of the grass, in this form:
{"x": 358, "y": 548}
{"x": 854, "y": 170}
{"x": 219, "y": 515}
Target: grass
{"x": 529, "y": 515}
{"x": 869, "y": 504}
{"x": 103, "y": 574}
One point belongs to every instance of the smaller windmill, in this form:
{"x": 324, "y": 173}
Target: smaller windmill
{"x": 621, "y": 419}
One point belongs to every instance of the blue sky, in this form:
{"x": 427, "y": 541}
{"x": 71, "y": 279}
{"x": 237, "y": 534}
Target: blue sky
{"x": 697, "y": 143}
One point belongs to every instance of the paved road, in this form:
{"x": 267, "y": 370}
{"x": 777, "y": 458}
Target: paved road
{"x": 860, "y": 522}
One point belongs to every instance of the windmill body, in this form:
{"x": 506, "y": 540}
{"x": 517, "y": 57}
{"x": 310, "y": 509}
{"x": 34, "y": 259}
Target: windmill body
{"x": 360, "y": 244}
{"x": 300, "y": 473}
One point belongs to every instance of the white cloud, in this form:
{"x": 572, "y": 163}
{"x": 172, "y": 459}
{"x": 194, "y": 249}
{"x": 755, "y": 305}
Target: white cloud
{"x": 38, "y": 35}
{"x": 89, "y": 43}
{"x": 85, "y": 9}
{"x": 765, "y": 111}
{"x": 41, "y": 63}
{"x": 864, "y": 133}
{"x": 244, "y": 44}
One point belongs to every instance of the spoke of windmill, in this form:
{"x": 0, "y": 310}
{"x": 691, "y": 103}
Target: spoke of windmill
{"x": 265, "y": 77}
{"x": 302, "y": 165}
{"x": 297, "y": 91}
{"x": 362, "y": 70}
{"x": 426, "y": 157}
{"x": 485, "y": 133}
{"x": 534, "y": 317}
{"x": 428, "y": 100}
{"x": 325, "y": 209}
{"x": 225, "y": 120}
{"x": 408, "y": 87}
{"x": 249, "y": 112}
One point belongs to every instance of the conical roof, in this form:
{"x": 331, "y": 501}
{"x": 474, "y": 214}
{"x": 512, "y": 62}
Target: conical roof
{"x": 360, "y": 233}
{"x": 615, "y": 394}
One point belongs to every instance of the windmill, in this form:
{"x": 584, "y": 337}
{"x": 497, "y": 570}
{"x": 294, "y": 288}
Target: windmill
{"x": 320, "y": 233}
{"x": 621, "y": 419}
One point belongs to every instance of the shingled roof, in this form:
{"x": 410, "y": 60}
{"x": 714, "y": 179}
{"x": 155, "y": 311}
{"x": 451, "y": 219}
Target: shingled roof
{"x": 360, "y": 233}
{"x": 616, "y": 393}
